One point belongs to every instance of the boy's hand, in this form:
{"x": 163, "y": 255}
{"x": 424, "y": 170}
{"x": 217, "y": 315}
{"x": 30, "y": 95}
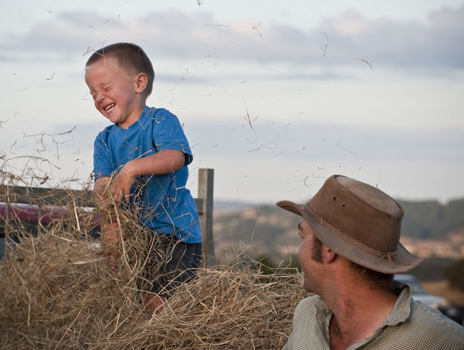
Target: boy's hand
{"x": 123, "y": 184}
{"x": 100, "y": 190}
{"x": 161, "y": 163}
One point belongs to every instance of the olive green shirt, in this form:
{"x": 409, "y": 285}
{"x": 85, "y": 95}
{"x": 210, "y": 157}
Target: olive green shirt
{"x": 410, "y": 325}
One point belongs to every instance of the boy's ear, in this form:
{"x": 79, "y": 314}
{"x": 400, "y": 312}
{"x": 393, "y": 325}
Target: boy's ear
{"x": 141, "y": 82}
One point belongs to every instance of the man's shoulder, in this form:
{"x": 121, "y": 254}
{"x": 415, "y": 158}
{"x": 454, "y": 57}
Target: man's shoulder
{"x": 427, "y": 328}
{"x": 309, "y": 314}
{"x": 432, "y": 320}
{"x": 308, "y": 306}
{"x": 309, "y": 301}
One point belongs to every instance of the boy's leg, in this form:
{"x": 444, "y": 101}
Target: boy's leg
{"x": 180, "y": 265}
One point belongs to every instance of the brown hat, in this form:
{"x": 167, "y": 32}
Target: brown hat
{"x": 359, "y": 222}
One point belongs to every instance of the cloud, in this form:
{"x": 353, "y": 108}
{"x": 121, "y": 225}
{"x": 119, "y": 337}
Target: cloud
{"x": 405, "y": 45}
{"x": 177, "y": 35}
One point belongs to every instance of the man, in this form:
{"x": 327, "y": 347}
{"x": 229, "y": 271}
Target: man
{"x": 349, "y": 253}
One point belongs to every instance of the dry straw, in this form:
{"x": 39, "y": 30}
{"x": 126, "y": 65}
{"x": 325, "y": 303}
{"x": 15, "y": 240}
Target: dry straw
{"x": 58, "y": 292}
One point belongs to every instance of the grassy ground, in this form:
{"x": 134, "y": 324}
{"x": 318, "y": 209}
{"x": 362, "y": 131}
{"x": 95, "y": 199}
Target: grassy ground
{"x": 441, "y": 288}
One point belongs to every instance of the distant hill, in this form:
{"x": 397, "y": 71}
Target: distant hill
{"x": 432, "y": 220}
{"x": 269, "y": 228}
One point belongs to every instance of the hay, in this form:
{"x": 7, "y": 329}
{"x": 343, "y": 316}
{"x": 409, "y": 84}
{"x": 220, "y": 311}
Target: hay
{"x": 57, "y": 292}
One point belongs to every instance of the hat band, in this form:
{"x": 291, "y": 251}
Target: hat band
{"x": 389, "y": 255}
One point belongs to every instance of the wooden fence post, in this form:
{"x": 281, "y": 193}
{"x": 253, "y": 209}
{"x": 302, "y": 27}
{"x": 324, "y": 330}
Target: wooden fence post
{"x": 205, "y": 191}
{"x": 7, "y": 222}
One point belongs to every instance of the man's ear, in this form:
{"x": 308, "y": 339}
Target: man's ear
{"x": 141, "y": 82}
{"x": 330, "y": 255}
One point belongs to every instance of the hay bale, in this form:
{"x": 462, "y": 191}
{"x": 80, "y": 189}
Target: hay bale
{"x": 57, "y": 292}
{"x": 228, "y": 307}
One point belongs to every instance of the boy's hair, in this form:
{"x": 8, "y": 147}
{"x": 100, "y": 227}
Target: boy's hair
{"x": 130, "y": 57}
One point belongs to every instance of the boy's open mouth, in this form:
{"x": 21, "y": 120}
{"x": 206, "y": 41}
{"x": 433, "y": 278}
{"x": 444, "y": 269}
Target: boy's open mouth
{"x": 109, "y": 107}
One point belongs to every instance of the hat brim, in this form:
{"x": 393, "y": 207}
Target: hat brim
{"x": 401, "y": 262}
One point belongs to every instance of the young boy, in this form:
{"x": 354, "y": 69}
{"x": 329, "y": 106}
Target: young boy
{"x": 146, "y": 151}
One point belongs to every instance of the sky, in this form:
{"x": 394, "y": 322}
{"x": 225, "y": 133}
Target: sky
{"x": 274, "y": 96}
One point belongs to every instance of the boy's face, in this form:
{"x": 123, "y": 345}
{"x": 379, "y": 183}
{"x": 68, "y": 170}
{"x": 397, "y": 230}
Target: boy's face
{"x": 117, "y": 94}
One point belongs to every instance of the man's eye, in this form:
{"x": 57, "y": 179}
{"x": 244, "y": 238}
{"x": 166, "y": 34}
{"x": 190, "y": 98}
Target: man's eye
{"x": 107, "y": 88}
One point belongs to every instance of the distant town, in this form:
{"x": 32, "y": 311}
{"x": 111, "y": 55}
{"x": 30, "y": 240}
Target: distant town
{"x": 453, "y": 247}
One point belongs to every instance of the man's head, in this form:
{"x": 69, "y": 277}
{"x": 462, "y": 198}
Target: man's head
{"x": 120, "y": 78}
{"x": 358, "y": 222}
{"x": 376, "y": 280}
{"x": 310, "y": 257}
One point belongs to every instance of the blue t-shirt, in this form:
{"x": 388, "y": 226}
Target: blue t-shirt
{"x": 166, "y": 205}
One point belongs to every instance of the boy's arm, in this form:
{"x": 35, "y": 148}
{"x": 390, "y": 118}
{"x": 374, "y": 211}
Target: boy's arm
{"x": 110, "y": 228}
{"x": 99, "y": 189}
{"x": 101, "y": 192}
{"x": 163, "y": 162}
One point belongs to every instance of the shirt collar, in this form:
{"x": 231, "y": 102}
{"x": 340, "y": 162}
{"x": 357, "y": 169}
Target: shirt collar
{"x": 402, "y": 308}
{"x": 398, "y": 314}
